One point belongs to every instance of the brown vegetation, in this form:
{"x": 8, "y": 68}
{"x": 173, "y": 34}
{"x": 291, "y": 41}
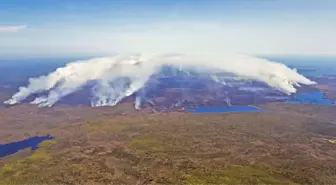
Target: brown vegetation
{"x": 292, "y": 144}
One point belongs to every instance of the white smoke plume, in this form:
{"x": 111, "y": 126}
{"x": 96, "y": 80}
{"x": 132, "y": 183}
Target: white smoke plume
{"x": 119, "y": 76}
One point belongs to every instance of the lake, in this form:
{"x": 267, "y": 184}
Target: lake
{"x": 33, "y": 142}
{"x": 315, "y": 98}
{"x": 228, "y": 109}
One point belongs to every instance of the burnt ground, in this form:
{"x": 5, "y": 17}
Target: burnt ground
{"x": 291, "y": 144}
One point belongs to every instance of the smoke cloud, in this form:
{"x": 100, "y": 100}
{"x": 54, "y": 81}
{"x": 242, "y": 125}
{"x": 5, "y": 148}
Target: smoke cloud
{"x": 120, "y": 76}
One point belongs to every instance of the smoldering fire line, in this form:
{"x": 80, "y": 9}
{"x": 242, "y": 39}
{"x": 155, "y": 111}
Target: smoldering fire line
{"x": 120, "y": 76}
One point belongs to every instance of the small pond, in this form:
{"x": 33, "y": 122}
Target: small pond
{"x": 227, "y": 109}
{"x": 33, "y": 142}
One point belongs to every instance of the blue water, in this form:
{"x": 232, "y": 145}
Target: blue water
{"x": 315, "y": 98}
{"x": 317, "y": 70}
{"x": 309, "y": 65}
{"x": 11, "y": 148}
{"x": 240, "y": 108}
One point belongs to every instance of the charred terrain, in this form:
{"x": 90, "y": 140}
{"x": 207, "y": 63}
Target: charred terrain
{"x": 163, "y": 144}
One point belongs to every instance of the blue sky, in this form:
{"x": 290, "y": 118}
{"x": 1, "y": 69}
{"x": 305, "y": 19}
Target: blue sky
{"x": 102, "y": 27}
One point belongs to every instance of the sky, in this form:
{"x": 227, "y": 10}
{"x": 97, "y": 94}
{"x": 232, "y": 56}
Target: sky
{"x": 104, "y": 27}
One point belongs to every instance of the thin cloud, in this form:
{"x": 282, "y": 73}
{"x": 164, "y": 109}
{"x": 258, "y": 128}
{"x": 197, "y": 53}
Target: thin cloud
{"x": 12, "y": 28}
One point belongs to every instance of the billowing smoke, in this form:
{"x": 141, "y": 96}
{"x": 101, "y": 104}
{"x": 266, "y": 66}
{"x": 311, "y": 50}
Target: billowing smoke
{"x": 118, "y": 77}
